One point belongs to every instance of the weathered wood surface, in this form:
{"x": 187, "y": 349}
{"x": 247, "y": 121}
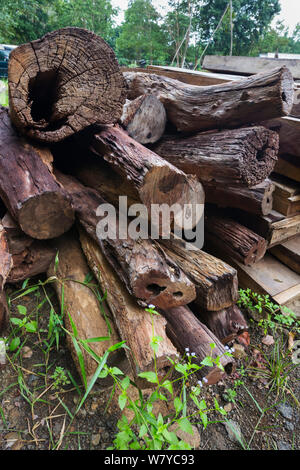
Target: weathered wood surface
{"x": 149, "y": 275}
{"x": 28, "y": 188}
{"x": 186, "y": 331}
{"x": 136, "y": 326}
{"x": 5, "y": 267}
{"x": 289, "y": 166}
{"x": 243, "y": 65}
{"x": 288, "y": 129}
{"x": 144, "y": 119}
{"x": 286, "y": 197}
{"x": 216, "y": 282}
{"x": 243, "y": 156}
{"x": 256, "y": 199}
{"x": 224, "y": 234}
{"x": 288, "y": 253}
{"x": 192, "y": 108}
{"x": 225, "y": 324}
{"x": 81, "y": 304}
{"x": 64, "y": 82}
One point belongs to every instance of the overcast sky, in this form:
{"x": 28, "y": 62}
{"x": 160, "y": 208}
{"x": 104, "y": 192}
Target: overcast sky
{"x": 290, "y": 10}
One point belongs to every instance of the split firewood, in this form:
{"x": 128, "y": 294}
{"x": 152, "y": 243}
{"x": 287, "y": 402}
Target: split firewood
{"x": 257, "y": 199}
{"x": 28, "y": 188}
{"x": 224, "y": 234}
{"x": 155, "y": 180}
{"x": 149, "y": 275}
{"x": 63, "y": 83}
{"x": 144, "y": 119}
{"x": 193, "y": 108}
{"x": 186, "y": 331}
{"x": 80, "y": 303}
{"x": 136, "y": 326}
{"x": 225, "y": 324}
{"x": 216, "y": 282}
{"x": 230, "y": 157}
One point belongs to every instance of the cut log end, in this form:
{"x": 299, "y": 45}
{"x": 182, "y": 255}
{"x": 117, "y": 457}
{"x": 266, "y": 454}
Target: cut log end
{"x": 46, "y": 216}
{"x": 287, "y": 91}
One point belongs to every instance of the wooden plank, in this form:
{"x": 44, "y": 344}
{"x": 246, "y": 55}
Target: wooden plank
{"x": 248, "y": 65}
{"x": 289, "y": 166}
{"x": 288, "y": 128}
{"x": 286, "y": 196}
{"x": 288, "y": 253}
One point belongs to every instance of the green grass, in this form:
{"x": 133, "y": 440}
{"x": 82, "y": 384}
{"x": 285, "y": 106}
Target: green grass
{"x": 3, "y": 94}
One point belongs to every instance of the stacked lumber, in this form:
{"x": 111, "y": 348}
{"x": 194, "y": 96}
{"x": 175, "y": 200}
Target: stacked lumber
{"x": 80, "y": 136}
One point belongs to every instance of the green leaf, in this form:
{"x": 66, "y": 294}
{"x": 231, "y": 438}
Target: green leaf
{"x": 168, "y": 385}
{"x": 14, "y": 343}
{"x": 116, "y": 371}
{"x": 150, "y": 376}
{"x": 22, "y": 309}
{"x": 122, "y": 401}
{"x": 125, "y": 383}
{"x": 178, "y": 405}
{"x": 143, "y": 430}
{"x": 31, "y": 326}
{"x": 207, "y": 361}
{"x": 185, "y": 425}
{"x": 17, "y": 321}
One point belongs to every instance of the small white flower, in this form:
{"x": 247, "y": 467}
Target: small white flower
{"x": 227, "y": 348}
{"x": 187, "y": 354}
{"x": 193, "y": 354}
{"x": 232, "y": 350}
{"x": 151, "y": 306}
{"x": 205, "y": 380}
{"x": 200, "y": 383}
{"x": 187, "y": 349}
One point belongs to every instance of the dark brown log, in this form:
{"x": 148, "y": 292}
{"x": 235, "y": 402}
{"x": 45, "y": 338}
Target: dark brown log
{"x": 288, "y": 129}
{"x": 136, "y": 326}
{"x": 231, "y": 157}
{"x": 193, "y": 108}
{"x": 28, "y": 188}
{"x": 216, "y": 282}
{"x": 225, "y": 324}
{"x": 144, "y": 119}
{"x": 155, "y": 180}
{"x": 149, "y": 275}
{"x": 5, "y": 267}
{"x": 235, "y": 240}
{"x": 81, "y": 303}
{"x": 186, "y": 331}
{"x": 63, "y": 83}
{"x": 257, "y": 199}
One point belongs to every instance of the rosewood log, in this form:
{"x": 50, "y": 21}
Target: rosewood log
{"x": 186, "y": 331}
{"x": 193, "y": 108}
{"x": 28, "y": 188}
{"x": 216, "y": 282}
{"x": 144, "y": 119}
{"x": 64, "y": 82}
{"x": 5, "y": 267}
{"x": 149, "y": 275}
{"x": 136, "y": 326}
{"x": 231, "y": 157}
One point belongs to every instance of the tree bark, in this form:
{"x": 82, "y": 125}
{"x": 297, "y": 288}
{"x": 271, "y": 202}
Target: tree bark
{"x": 243, "y": 156}
{"x": 216, "y": 282}
{"x": 64, "y": 82}
{"x": 186, "y": 331}
{"x": 256, "y": 199}
{"x": 135, "y": 325}
{"x": 5, "y": 267}
{"x": 149, "y": 275}
{"x": 144, "y": 119}
{"x": 80, "y": 302}
{"x": 28, "y": 188}
{"x": 225, "y": 324}
{"x": 192, "y": 108}
{"x": 235, "y": 240}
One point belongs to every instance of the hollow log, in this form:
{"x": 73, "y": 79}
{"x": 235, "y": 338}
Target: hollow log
{"x": 257, "y": 199}
{"x": 231, "y": 157}
{"x": 155, "y": 180}
{"x": 81, "y": 304}
{"x": 186, "y": 331}
{"x": 235, "y": 240}
{"x": 144, "y": 119}
{"x": 216, "y": 282}
{"x": 193, "y": 108}
{"x": 149, "y": 275}
{"x": 225, "y": 324}
{"x": 136, "y": 326}
{"x": 28, "y": 188}
{"x": 64, "y": 82}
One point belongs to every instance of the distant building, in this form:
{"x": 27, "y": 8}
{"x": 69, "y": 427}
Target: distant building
{"x": 279, "y": 55}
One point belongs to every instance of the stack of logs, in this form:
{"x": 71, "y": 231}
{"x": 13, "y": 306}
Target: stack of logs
{"x": 79, "y": 133}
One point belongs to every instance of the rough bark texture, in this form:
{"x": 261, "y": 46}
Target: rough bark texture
{"x": 144, "y": 119}
{"x": 64, "y": 82}
{"x": 133, "y": 322}
{"x": 233, "y": 157}
{"x": 155, "y": 180}
{"x": 149, "y": 275}
{"x": 216, "y": 282}
{"x": 28, "y": 188}
{"x": 257, "y": 199}
{"x": 81, "y": 303}
{"x": 235, "y": 240}
{"x": 193, "y": 108}
{"x": 225, "y": 324}
{"x": 186, "y": 331}
{"x": 5, "y": 267}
